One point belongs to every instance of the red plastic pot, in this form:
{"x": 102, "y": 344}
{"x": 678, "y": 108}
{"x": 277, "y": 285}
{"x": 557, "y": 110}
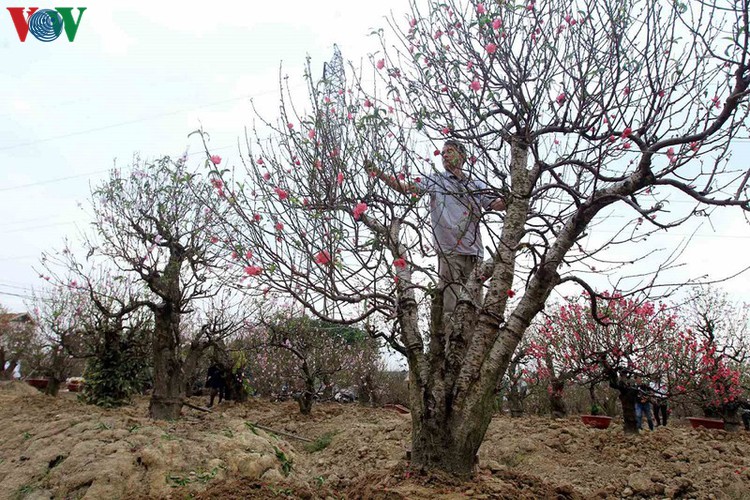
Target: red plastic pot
{"x": 597, "y": 421}
{"x": 75, "y": 386}
{"x": 708, "y": 423}
{"x": 39, "y": 383}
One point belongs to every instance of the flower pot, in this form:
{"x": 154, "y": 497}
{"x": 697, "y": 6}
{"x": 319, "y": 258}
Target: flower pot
{"x": 75, "y": 386}
{"x": 39, "y": 383}
{"x": 597, "y": 421}
{"x": 708, "y": 423}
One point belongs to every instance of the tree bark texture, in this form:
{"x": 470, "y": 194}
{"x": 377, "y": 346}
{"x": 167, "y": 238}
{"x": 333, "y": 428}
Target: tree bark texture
{"x": 169, "y": 388}
{"x": 628, "y": 397}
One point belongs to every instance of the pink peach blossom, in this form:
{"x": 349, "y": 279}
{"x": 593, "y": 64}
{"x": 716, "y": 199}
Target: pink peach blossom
{"x": 359, "y": 209}
{"x": 281, "y": 193}
{"x": 323, "y": 257}
{"x": 253, "y": 270}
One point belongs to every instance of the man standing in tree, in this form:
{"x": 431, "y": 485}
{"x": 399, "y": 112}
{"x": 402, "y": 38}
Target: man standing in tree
{"x": 456, "y": 205}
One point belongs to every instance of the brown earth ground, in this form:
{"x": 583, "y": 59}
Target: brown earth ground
{"x": 59, "y": 448}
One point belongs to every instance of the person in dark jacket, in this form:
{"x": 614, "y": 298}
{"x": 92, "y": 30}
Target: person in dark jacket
{"x": 216, "y": 382}
{"x": 660, "y": 403}
{"x": 745, "y": 413}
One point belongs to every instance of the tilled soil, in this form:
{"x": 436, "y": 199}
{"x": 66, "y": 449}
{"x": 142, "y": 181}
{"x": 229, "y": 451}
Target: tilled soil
{"x": 60, "y": 448}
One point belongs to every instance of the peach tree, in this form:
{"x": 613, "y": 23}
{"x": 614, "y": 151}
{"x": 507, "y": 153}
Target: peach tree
{"x": 620, "y": 340}
{"x": 571, "y": 110}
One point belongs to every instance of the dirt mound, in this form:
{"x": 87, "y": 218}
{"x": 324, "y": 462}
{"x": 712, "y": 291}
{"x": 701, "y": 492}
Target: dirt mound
{"x": 17, "y": 387}
{"x": 58, "y": 447}
{"x": 426, "y": 486}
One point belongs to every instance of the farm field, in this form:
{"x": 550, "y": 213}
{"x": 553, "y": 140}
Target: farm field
{"x": 60, "y": 448}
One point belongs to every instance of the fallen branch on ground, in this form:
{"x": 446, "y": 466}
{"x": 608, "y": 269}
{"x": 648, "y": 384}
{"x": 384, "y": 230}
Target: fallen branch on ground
{"x": 268, "y": 429}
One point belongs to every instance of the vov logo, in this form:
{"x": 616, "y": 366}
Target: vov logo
{"x": 46, "y": 24}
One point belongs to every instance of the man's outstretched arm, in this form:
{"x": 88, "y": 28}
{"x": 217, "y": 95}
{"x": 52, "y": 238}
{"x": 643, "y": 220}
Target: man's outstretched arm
{"x": 403, "y": 187}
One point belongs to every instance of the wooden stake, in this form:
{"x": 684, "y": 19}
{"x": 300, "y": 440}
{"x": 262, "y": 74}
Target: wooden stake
{"x": 283, "y": 433}
{"x": 194, "y": 407}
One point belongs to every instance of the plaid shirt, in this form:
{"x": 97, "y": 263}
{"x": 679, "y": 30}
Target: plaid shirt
{"x": 456, "y": 206}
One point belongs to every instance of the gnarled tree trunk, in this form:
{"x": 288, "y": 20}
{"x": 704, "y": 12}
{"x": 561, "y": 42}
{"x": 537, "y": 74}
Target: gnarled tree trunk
{"x": 556, "y": 400}
{"x": 731, "y": 417}
{"x": 628, "y": 396}
{"x": 305, "y": 399}
{"x": 515, "y": 401}
{"x": 169, "y": 386}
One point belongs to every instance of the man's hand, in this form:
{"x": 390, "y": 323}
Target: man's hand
{"x": 498, "y": 204}
{"x": 391, "y": 181}
{"x": 370, "y": 168}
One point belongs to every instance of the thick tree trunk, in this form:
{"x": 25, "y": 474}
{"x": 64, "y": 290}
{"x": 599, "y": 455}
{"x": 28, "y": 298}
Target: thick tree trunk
{"x": 515, "y": 401}
{"x": 448, "y": 438}
{"x": 366, "y": 392}
{"x": 189, "y": 366}
{"x": 169, "y": 386}
{"x": 628, "y": 396}
{"x": 305, "y": 400}
{"x": 327, "y": 387}
{"x": 556, "y": 400}
{"x": 235, "y": 389}
{"x": 731, "y": 417}
{"x": 53, "y": 386}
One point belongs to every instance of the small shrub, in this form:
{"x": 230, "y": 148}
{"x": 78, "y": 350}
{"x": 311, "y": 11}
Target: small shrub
{"x": 286, "y": 462}
{"x": 513, "y": 460}
{"x": 321, "y": 443}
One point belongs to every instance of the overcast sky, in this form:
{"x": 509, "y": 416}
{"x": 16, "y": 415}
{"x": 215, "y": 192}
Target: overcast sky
{"x": 141, "y": 75}
{"x": 138, "y": 78}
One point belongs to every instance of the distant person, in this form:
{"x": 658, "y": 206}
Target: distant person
{"x": 643, "y": 404}
{"x": 745, "y": 413}
{"x": 456, "y": 205}
{"x": 216, "y": 382}
{"x": 660, "y": 403}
